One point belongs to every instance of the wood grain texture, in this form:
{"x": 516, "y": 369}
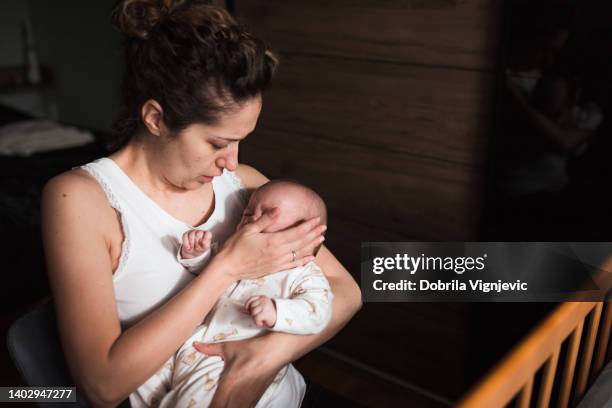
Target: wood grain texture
{"x": 436, "y": 113}
{"x": 359, "y": 386}
{"x": 395, "y": 337}
{"x": 418, "y": 198}
{"x": 453, "y": 33}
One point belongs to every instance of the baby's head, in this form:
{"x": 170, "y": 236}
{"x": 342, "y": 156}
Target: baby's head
{"x": 295, "y": 202}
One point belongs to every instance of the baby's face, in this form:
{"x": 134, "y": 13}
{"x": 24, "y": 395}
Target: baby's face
{"x": 262, "y": 202}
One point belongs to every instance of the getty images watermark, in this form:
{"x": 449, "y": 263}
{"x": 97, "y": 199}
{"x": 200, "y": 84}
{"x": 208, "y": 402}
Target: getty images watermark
{"x": 485, "y": 271}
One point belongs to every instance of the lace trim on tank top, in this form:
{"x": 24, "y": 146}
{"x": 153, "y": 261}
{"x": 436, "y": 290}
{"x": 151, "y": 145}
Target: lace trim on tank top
{"x": 110, "y": 196}
{"x": 240, "y": 188}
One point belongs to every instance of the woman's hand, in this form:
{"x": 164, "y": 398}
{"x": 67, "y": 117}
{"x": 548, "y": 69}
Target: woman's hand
{"x": 250, "y": 367}
{"x": 251, "y": 253}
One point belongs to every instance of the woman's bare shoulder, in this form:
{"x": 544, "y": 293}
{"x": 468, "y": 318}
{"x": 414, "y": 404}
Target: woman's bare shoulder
{"x": 77, "y": 189}
{"x": 250, "y": 177}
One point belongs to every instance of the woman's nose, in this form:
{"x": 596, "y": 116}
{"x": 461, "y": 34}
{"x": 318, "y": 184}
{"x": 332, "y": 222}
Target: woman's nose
{"x": 229, "y": 160}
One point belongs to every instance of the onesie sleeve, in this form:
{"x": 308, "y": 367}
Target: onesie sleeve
{"x": 308, "y": 308}
{"x": 194, "y": 265}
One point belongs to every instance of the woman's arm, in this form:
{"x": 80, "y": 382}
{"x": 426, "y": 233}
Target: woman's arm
{"x": 107, "y": 363}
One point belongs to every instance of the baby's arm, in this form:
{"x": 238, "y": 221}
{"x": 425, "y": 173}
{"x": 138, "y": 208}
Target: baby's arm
{"x": 306, "y": 311}
{"x": 195, "y": 250}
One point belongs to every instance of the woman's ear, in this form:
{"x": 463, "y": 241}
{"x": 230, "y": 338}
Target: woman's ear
{"x": 152, "y": 116}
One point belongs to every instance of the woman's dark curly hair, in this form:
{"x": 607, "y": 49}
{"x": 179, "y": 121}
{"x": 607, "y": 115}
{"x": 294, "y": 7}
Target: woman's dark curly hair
{"x": 193, "y": 58}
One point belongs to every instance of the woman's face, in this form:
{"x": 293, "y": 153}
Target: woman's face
{"x": 201, "y": 152}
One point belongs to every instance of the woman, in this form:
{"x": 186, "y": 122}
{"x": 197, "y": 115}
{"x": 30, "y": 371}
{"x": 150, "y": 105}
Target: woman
{"x": 192, "y": 91}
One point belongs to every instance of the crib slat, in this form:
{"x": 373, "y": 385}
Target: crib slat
{"x": 570, "y": 365}
{"x": 589, "y": 345}
{"x": 604, "y": 338}
{"x": 525, "y": 396}
{"x": 609, "y": 353}
{"x": 548, "y": 380}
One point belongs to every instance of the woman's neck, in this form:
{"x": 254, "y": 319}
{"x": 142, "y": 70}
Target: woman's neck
{"x": 139, "y": 161}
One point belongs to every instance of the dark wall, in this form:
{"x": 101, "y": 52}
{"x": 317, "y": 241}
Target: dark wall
{"x": 76, "y": 40}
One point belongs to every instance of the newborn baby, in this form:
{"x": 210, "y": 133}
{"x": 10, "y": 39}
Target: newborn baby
{"x": 296, "y": 301}
{"x": 296, "y": 203}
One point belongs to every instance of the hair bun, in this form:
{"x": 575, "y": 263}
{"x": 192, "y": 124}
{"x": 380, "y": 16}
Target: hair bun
{"x": 136, "y": 18}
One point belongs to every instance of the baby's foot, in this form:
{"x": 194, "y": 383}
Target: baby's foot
{"x": 195, "y": 243}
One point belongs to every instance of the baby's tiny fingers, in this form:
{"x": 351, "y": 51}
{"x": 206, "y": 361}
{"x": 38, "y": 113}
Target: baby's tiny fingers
{"x": 249, "y": 302}
{"x": 254, "y": 299}
{"x": 207, "y": 236}
{"x": 186, "y": 242}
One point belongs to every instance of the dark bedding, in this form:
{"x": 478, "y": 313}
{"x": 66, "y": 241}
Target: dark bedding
{"x": 20, "y": 189}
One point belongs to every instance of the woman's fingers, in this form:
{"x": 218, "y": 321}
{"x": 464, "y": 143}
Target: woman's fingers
{"x": 303, "y": 244}
{"x": 297, "y": 263}
{"x": 209, "y": 349}
{"x": 301, "y": 252}
{"x": 255, "y": 254}
{"x": 306, "y": 228}
{"x": 263, "y": 222}
{"x": 305, "y": 248}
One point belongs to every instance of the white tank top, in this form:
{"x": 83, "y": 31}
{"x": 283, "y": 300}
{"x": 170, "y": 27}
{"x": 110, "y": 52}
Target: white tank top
{"x": 148, "y": 273}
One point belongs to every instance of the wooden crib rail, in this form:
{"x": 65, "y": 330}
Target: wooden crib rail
{"x": 514, "y": 376}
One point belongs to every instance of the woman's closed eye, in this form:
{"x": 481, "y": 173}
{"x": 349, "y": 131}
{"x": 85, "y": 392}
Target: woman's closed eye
{"x": 223, "y": 143}
{"x": 220, "y": 146}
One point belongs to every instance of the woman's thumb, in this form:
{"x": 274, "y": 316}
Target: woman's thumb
{"x": 208, "y": 349}
{"x": 265, "y": 220}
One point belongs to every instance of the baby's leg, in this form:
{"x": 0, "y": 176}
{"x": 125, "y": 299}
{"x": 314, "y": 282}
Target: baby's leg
{"x": 194, "y": 380}
{"x": 153, "y": 390}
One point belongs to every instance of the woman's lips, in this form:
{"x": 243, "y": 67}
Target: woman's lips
{"x": 205, "y": 179}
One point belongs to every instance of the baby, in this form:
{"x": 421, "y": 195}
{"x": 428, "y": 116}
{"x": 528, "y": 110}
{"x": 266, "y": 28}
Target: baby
{"x": 296, "y": 301}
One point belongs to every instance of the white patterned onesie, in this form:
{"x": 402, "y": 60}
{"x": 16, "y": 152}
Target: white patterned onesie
{"x": 189, "y": 378}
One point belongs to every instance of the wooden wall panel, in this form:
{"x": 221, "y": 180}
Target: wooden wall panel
{"x": 419, "y": 198}
{"x": 453, "y": 33}
{"x": 367, "y": 389}
{"x": 397, "y": 336}
{"x": 426, "y": 112}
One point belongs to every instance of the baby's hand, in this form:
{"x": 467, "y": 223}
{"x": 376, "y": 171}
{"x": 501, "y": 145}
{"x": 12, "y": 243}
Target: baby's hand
{"x": 262, "y": 309}
{"x": 195, "y": 242}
